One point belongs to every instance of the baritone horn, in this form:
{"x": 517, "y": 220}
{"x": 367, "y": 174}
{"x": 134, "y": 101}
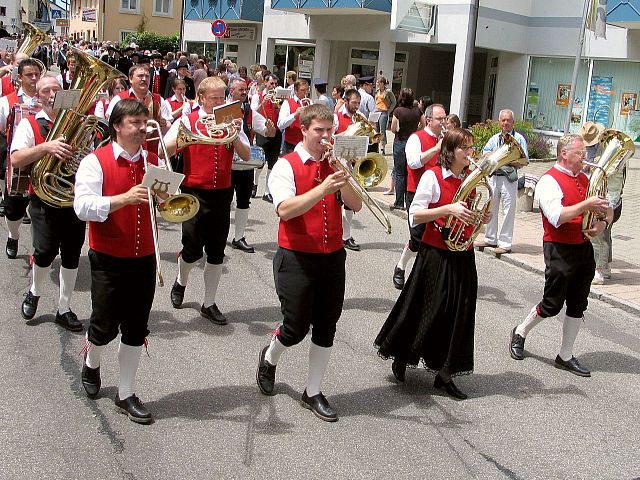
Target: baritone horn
{"x": 358, "y": 188}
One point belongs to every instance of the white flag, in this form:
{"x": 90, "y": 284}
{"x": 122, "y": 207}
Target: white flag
{"x": 597, "y": 18}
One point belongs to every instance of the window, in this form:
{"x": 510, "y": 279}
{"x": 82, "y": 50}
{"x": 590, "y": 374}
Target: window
{"x": 3, "y": 11}
{"x": 163, "y": 8}
{"x": 130, "y": 6}
{"x": 124, "y": 33}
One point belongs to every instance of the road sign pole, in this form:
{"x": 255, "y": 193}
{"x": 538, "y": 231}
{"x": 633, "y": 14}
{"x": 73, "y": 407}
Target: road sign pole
{"x": 217, "y": 51}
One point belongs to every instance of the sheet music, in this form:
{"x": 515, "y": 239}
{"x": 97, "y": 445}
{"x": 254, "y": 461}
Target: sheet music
{"x": 66, "y": 99}
{"x": 350, "y": 146}
{"x": 374, "y": 117}
{"x": 161, "y": 180}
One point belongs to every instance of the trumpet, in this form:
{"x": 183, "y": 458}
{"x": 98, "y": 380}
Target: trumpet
{"x": 305, "y": 102}
{"x": 357, "y": 187}
{"x": 272, "y": 97}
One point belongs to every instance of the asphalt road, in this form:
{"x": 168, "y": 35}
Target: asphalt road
{"x": 523, "y": 420}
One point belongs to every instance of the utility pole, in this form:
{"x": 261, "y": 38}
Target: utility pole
{"x": 576, "y": 65}
{"x": 468, "y": 61}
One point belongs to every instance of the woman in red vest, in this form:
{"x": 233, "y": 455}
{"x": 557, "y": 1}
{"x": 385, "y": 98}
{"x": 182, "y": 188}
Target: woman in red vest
{"x": 309, "y": 264}
{"x": 433, "y": 320}
{"x": 109, "y": 196}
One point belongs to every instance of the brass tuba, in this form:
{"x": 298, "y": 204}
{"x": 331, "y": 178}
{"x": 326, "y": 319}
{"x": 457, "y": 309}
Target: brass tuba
{"x": 476, "y": 193}
{"x": 362, "y": 127}
{"x": 53, "y": 179}
{"x": 617, "y": 149}
{"x": 33, "y": 37}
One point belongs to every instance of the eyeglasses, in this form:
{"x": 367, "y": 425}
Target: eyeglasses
{"x": 580, "y": 153}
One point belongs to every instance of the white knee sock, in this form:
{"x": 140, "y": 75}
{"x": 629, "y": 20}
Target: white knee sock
{"x": 67, "y": 285}
{"x": 274, "y": 351}
{"x": 242, "y": 216}
{"x": 94, "y": 353}
{"x": 405, "y": 257}
{"x": 14, "y": 228}
{"x": 183, "y": 271}
{"x": 212, "y": 274}
{"x": 347, "y": 217}
{"x": 266, "y": 183}
{"x": 39, "y": 274}
{"x": 570, "y": 329}
{"x": 128, "y": 359}
{"x": 318, "y": 362}
{"x": 256, "y": 176}
{"x": 531, "y": 321}
{"x": 2, "y": 185}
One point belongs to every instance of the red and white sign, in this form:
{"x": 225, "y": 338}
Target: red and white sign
{"x": 218, "y": 27}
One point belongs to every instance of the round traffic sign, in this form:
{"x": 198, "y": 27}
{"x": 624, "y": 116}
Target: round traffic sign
{"x": 218, "y": 27}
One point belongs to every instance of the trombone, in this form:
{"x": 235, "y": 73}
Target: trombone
{"x": 357, "y": 187}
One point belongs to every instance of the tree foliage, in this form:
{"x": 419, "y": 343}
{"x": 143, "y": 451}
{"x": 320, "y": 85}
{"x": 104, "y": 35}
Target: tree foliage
{"x": 538, "y": 146}
{"x": 153, "y": 41}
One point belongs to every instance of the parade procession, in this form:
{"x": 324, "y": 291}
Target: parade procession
{"x": 235, "y": 254}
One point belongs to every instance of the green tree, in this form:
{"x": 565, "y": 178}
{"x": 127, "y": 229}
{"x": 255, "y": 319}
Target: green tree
{"x": 153, "y": 41}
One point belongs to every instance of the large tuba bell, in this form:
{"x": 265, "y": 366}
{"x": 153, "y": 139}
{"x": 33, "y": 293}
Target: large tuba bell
{"x": 207, "y": 132}
{"x": 361, "y": 126}
{"x": 617, "y": 149}
{"x": 476, "y": 193}
{"x": 33, "y": 37}
{"x": 53, "y": 179}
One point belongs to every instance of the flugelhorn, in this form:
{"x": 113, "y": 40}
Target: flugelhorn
{"x": 358, "y": 188}
{"x": 361, "y": 126}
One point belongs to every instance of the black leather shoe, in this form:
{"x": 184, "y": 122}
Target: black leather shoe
{"x": 214, "y": 314}
{"x": 242, "y": 245}
{"x": 69, "y": 321}
{"x": 449, "y": 387}
{"x": 2, "y": 208}
{"x": 399, "y": 369}
{"x": 319, "y": 406}
{"x": 29, "y": 305}
{"x": 12, "y": 248}
{"x": 90, "y": 379}
{"x": 254, "y": 191}
{"x": 398, "y": 278}
{"x": 267, "y": 197}
{"x": 351, "y": 244}
{"x": 516, "y": 345}
{"x": 572, "y": 365}
{"x": 134, "y": 408}
{"x": 26, "y": 220}
{"x": 265, "y": 374}
{"x": 177, "y": 294}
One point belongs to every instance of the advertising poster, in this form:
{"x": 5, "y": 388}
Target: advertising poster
{"x": 563, "y": 93}
{"x": 600, "y": 93}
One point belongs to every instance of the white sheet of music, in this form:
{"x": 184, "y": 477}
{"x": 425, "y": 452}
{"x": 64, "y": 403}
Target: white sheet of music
{"x": 350, "y": 147}
{"x": 161, "y": 180}
{"x": 66, "y": 99}
{"x": 374, "y": 117}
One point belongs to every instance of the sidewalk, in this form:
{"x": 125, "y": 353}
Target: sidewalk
{"x": 622, "y": 290}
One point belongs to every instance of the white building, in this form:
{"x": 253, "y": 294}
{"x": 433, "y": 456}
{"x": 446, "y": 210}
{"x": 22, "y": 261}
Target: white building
{"x": 10, "y": 18}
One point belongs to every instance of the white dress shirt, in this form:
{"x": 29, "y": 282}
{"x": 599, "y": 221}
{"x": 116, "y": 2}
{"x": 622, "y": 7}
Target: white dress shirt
{"x": 282, "y": 184}
{"x": 549, "y": 195}
{"x": 428, "y": 191}
{"x": 186, "y": 105}
{"x": 23, "y": 136}
{"x": 4, "y": 107}
{"x": 413, "y": 149}
{"x": 285, "y": 117}
{"x": 165, "y": 107}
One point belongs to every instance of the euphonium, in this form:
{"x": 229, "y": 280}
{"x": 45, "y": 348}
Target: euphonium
{"x": 362, "y": 127}
{"x": 213, "y": 134}
{"x": 617, "y": 149}
{"x": 53, "y": 179}
{"x": 33, "y": 37}
{"x": 476, "y": 193}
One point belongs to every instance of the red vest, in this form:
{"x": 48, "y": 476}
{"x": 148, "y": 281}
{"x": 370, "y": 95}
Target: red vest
{"x": 156, "y": 102}
{"x": 248, "y": 121}
{"x": 319, "y": 230}
{"x": 7, "y": 85}
{"x": 37, "y": 136}
{"x": 126, "y": 233}
{"x": 413, "y": 176}
{"x": 448, "y": 189}
{"x": 343, "y": 122}
{"x": 574, "y": 190}
{"x": 175, "y": 104}
{"x": 268, "y": 110}
{"x": 293, "y": 133}
{"x": 207, "y": 167}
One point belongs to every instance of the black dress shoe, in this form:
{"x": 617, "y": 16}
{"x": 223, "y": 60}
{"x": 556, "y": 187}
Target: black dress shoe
{"x": 177, "y": 294}
{"x": 29, "y": 305}
{"x": 134, "y": 408}
{"x": 69, "y": 321}
{"x": 449, "y": 387}
{"x": 12, "y": 248}
{"x": 214, "y": 314}
{"x": 242, "y": 245}
{"x": 254, "y": 191}
{"x": 2, "y": 208}
{"x": 351, "y": 244}
{"x": 516, "y": 345}
{"x": 267, "y": 197}
{"x": 90, "y": 379}
{"x": 398, "y": 278}
{"x": 572, "y": 365}
{"x": 319, "y": 406}
{"x": 399, "y": 369}
{"x": 265, "y": 374}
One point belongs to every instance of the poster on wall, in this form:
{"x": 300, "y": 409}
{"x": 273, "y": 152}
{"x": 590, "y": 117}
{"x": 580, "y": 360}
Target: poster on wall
{"x": 600, "y": 93}
{"x": 628, "y": 102}
{"x": 532, "y": 101}
{"x": 563, "y": 93}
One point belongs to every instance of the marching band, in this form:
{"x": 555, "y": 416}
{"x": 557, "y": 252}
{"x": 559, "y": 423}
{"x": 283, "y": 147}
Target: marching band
{"x": 311, "y": 189}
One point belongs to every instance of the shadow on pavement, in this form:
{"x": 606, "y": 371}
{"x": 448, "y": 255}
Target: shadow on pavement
{"x": 610, "y": 362}
{"x": 495, "y": 295}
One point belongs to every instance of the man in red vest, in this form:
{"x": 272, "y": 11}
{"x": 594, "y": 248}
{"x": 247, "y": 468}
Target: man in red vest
{"x": 109, "y": 196}
{"x": 568, "y": 254}
{"x": 207, "y": 170}
{"x": 309, "y": 263}
{"x": 422, "y": 150}
{"x": 289, "y": 117}
{"x": 266, "y": 106}
{"x": 53, "y": 229}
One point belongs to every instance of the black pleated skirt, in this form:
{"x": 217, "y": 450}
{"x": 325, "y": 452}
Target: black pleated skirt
{"x": 433, "y": 320}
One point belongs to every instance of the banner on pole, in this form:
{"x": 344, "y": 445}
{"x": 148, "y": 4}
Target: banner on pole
{"x": 597, "y": 18}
